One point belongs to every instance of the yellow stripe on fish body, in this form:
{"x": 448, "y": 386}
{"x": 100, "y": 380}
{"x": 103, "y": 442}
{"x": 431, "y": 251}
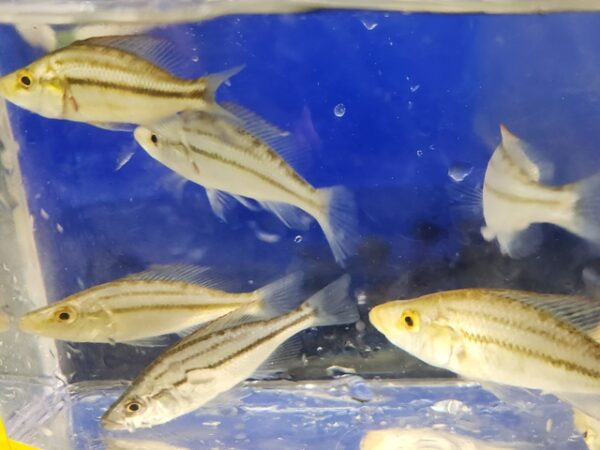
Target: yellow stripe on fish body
{"x": 103, "y": 81}
{"x": 503, "y": 336}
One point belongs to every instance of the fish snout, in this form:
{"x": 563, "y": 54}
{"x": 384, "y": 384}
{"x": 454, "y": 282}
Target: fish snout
{"x": 111, "y": 424}
{"x": 377, "y": 317}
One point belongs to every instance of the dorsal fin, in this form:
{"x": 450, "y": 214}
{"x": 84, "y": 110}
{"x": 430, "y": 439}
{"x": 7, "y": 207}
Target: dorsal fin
{"x": 279, "y": 140}
{"x": 581, "y": 312}
{"x": 159, "y": 51}
{"x": 522, "y": 155}
{"x": 188, "y": 273}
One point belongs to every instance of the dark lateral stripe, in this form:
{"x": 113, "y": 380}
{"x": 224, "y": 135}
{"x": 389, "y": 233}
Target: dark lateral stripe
{"x": 555, "y": 362}
{"x": 256, "y": 142}
{"x": 159, "y": 93}
{"x": 518, "y": 326}
{"x": 237, "y": 354}
{"x": 272, "y": 182}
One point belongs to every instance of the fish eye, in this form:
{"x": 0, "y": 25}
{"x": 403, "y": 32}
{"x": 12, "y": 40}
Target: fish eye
{"x": 154, "y": 139}
{"x": 409, "y": 320}
{"x": 25, "y": 79}
{"x": 65, "y": 315}
{"x": 133, "y": 406}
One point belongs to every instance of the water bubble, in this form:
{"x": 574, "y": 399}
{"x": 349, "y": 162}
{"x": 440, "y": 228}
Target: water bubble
{"x": 339, "y": 110}
{"x": 298, "y": 239}
{"x": 415, "y": 88}
{"x": 44, "y": 214}
{"x": 459, "y": 171}
{"x": 419, "y": 152}
{"x": 369, "y": 24}
{"x": 195, "y": 59}
{"x": 360, "y": 326}
{"x": 451, "y": 406}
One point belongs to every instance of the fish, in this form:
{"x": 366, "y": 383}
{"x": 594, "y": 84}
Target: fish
{"x": 427, "y": 439}
{"x": 219, "y": 356}
{"x": 516, "y": 197}
{"x": 110, "y": 82}
{"x": 139, "y": 308}
{"x": 113, "y": 443}
{"x": 589, "y": 429}
{"x": 250, "y": 158}
{"x": 503, "y": 337}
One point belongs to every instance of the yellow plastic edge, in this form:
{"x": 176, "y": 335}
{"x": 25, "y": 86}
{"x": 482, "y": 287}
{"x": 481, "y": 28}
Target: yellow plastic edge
{"x": 9, "y": 444}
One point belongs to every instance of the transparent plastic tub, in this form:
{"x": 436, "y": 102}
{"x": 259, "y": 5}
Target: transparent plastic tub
{"x": 398, "y": 101}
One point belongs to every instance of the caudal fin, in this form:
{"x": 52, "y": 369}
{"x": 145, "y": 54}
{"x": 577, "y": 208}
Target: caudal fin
{"x": 282, "y": 295}
{"x": 213, "y": 82}
{"x": 338, "y": 221}
{"x": 333, "y": 304}
{"x": 587, "y": 209}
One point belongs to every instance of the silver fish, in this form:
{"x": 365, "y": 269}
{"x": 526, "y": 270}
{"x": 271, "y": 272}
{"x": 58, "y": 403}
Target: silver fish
{"x": 515, "y": 197}
{"x": 162, "y": 300}
{"x": 516, "y": 338}
{"x": 109, "y": 81}
{"x": 247, "y": 158}
{"x": 216, "y": 358}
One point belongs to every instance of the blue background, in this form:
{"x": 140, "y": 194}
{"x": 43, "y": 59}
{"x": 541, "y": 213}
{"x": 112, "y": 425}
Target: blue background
{"x": 424, "y": 94}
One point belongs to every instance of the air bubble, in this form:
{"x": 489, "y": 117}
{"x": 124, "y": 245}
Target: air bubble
{"x": 339, "y": 110}
{"x": 459, "y": 171}
{"x": 369, "y": 24}
{"x": 419, "y": 153}
{"x": 298, "y": 239}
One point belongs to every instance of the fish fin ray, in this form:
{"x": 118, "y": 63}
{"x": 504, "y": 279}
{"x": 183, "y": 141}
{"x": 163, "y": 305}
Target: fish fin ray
{"x": 281, "y": 141}
{"x": 340, "y": 221}
{"x": 285, "y": 356}
{"x": 158, "y": 51}
{"x": 220, "y": 202}
{"x": 525, "y": 157}
{"x": 333, "y": 304}
{"x": 581, "y": 312}
{"x": 290, "y": 215}
{"x": 465, "y": 196}
{"x": 282, "y": 295}
{"x": 587, "y": 208}
{"x": 213, "y": 82}
{"x": 189, "y": 273}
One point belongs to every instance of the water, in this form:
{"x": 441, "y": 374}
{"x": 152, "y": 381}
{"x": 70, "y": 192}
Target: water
{"x": 397, "y": 107}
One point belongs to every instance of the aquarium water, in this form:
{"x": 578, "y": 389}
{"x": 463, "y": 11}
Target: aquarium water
{"x": 401, "y": 107}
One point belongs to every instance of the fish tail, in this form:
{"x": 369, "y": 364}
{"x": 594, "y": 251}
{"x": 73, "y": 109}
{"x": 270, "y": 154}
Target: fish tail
{"x": 333, "y": 305}
{"x": 212, "y": 83}
{"x": 338, "y": 221}
{"x": 587, "y": 208}
{"x": 281, "y": 295}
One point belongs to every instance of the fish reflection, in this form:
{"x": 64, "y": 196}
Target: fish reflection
{"x": 427, "y": 439}
{"x": 112, "y": 443}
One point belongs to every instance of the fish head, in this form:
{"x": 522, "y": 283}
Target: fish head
{"x": 37, "y": 88}
{"x": 160, "y": 141}
{"x": 416, "y": 326}
{"x": 67, "y": 320}
{"x": 139, "y": 408}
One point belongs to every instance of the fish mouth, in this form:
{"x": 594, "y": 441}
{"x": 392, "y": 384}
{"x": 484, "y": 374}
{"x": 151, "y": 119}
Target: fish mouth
{"x": 376, "y": 317}
{"x": 27, "y": 324}
{"x": 111, "y": 425}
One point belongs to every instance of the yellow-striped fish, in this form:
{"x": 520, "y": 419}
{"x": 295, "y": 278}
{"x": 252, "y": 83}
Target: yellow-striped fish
{"x": 516, "y": 338}
{"x": 109, "y": 80}
{"x": 516, "y": 196}
{"x": 162, "y": 300}
{"x": 429, "y": 439}
{"x": 214, "y": 359}
{"x": 248, "y": 160}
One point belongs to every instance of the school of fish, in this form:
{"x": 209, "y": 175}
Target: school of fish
{"x": 498, "y": 337}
